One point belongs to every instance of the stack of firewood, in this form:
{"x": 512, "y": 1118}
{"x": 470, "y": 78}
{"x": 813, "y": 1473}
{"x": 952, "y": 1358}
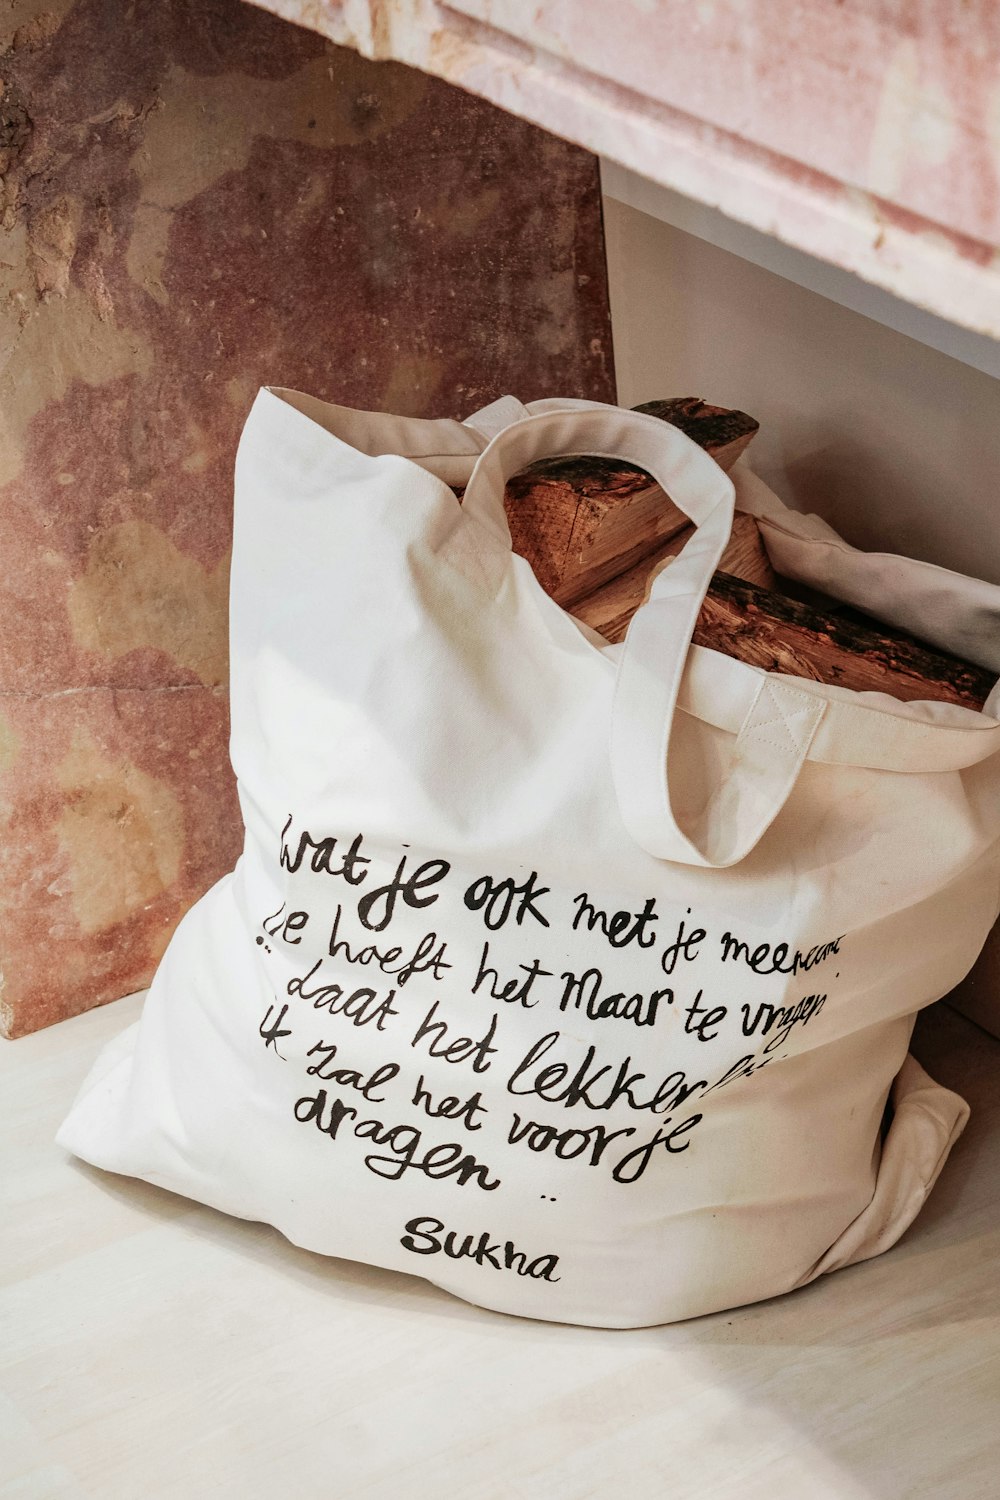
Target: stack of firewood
{"x": 595, "y": 531}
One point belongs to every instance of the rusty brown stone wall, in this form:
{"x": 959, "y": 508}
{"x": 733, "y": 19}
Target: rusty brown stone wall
{"x": 197, "y": 199}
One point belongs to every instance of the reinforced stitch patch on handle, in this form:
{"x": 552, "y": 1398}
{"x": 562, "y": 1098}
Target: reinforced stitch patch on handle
{"x": 783, "y": 718}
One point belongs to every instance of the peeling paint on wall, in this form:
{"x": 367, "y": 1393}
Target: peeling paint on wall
{"x": 860, "y": 131}
{"x": 122, "y": 833}
{"x": 138, "y": 590}
{"x": 196, "y": 201}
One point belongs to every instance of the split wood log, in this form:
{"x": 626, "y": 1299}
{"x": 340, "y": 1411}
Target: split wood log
{"x": 584, "y": 521}
{"x": 609, "y": 609}
{"x": 596, "y": 532}
{"x": 767, "y": 629}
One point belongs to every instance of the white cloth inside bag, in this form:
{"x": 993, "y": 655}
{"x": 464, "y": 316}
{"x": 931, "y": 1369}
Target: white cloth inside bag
{"x": 573, "y": 979}
{"x": 947, "y": 609}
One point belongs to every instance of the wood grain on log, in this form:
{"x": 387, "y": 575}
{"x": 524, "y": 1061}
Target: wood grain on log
{"x": 213, "y": 153}
{"x": 780, "y": 634}
{"x": 745, "y": 555}
{"x": 584, "y": 521}
{"x": 609, "y": 608}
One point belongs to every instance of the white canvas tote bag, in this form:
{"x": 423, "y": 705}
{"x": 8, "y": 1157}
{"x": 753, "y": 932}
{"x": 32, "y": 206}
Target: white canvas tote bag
{"x": 573, "y": 978}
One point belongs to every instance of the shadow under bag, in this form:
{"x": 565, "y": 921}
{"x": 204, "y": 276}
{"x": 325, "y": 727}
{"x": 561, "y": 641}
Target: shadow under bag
{"x": 573, "y": 978}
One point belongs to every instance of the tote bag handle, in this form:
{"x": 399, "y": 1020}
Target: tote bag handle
{"x": 779, "y": 726}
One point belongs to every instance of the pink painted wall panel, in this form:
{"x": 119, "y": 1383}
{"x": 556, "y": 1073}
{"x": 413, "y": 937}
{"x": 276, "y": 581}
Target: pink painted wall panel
{"x": 199, "y": 199}
{"x": 865, "y": 132}
{"x": 900, "y": 99}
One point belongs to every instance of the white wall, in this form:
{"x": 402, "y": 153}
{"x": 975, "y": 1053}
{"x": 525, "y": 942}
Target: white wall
{"x": 895, "y": 443}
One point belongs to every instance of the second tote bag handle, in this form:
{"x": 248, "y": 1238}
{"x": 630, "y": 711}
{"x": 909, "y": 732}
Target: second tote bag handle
{"x": 779, "y": 726}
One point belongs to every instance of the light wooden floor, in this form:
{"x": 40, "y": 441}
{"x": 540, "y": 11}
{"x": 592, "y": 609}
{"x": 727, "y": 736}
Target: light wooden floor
{"x": 151, "y": 1349}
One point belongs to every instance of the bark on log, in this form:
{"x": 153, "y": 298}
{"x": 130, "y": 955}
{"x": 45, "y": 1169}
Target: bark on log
{"x": 767, "y": 629}
{"x": 771, "y": 631}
